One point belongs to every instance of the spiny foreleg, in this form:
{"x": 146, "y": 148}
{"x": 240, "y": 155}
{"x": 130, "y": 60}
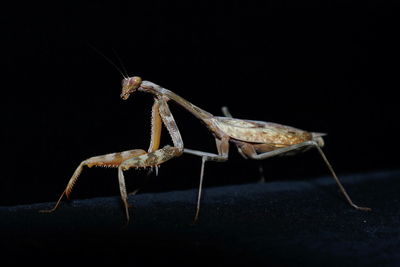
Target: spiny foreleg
{"x": 156, "y": 127}
{"x": 157, "y": 157}
{"x": 111, "y": 160}
{"x": 152, "y": 159}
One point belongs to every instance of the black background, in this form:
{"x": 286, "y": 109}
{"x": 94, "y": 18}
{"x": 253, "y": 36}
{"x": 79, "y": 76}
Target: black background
{"x": 329, "y": 70}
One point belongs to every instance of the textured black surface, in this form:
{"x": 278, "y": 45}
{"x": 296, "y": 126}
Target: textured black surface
{"x": 275, "y": 223}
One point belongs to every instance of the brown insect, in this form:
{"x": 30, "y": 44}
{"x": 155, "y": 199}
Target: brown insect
{"x": 254, "y": 140}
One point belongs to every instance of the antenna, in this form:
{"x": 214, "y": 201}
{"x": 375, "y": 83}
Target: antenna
{"x": 120, "y": 62}
{"x": 109, "y": 61}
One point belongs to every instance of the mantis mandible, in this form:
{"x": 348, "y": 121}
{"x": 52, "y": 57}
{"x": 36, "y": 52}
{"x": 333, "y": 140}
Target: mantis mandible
{"x": 256, "y": 140}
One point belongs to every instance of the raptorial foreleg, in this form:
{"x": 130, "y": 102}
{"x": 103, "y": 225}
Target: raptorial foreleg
{"x": 159, "y": 156}
{"x": 111, "y": 160}
{"x": 156, "y": 127}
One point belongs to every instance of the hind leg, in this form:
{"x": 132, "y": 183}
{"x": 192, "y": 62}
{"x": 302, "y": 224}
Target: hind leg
{"x": 251, "y": 151}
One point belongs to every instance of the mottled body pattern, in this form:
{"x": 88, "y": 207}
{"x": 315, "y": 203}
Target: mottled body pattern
{"x": 262, "y": 132}
{"x": 254, "y": 139}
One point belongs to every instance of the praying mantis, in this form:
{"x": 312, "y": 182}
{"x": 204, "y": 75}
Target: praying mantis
{"x": 256, "y": 140}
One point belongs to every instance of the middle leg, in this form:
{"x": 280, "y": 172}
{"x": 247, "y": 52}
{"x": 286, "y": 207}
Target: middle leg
{"x": 223, "y": 150}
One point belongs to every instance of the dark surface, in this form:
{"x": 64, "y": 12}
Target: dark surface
{"x": 273, "y": 223}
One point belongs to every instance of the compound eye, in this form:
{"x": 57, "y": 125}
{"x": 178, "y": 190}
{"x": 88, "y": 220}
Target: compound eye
{"x": 135, "y": 81}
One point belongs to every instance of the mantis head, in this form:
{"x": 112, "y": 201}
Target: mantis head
{"x": 129, "y": 86}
